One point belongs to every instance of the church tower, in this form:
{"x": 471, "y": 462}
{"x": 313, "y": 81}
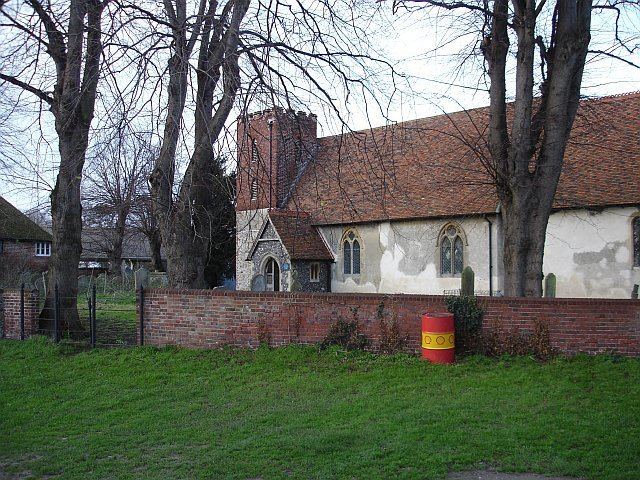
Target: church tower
{"x": 274, "y": 148}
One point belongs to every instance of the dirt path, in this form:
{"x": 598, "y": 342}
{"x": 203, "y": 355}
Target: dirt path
{"x": 489, "y": 475}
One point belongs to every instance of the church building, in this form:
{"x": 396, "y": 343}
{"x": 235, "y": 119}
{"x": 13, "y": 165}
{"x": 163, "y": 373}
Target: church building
{"x": 406, "y": 207}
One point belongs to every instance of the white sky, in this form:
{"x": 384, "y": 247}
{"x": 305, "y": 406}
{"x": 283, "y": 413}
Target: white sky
{"x": 428, "y": 89}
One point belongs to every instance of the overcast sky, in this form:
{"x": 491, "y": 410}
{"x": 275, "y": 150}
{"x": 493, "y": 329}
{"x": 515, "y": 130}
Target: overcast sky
{"x": 432, "y": 83}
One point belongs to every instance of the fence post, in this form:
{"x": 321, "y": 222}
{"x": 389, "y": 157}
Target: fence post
{"x": 56, "y": 313}
{"x": 22, "y": 311}
{"x": 141, "y": 315}
{"x": 93, "y": 317}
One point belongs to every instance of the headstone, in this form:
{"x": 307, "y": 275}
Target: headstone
{"x": 258, "y": 283}
{"x": 467, "y": 282}
{"x": 158, "y": 279}
{"x": 550, "y": 286}
{"x": 295, "y": 283}
{"x": 142, "y": 278}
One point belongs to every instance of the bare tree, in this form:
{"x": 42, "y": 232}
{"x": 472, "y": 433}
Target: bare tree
{"x": 245, "y": 50}
{"x": 114, "y": 181}
{"x": 143, "y": 218}
{"x": 69, "y": 35}
{"x": 526, "y": 142}
{"x": 184, "y": 219}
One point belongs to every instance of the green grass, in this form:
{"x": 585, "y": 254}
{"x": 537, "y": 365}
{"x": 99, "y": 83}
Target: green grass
{"x": 298, "y": 413}
{"x": 116, "y": 317}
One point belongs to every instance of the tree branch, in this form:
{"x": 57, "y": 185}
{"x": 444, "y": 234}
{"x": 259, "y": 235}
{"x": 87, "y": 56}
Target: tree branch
{"x": 29, "y": 88}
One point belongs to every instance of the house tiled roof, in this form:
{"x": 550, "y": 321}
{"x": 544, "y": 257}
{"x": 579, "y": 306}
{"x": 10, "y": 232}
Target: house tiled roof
{"x": 15, "y": 225}
{"x": 299, "y": 237}
{"x": 434, "y": 167}
{"x": 96, "y": 244}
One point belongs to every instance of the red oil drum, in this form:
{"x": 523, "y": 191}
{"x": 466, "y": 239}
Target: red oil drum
{"x": 438, "y": 337}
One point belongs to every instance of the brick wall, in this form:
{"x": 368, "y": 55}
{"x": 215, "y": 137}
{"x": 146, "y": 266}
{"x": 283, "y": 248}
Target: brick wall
{"x": 23, "y": 254}
{"x": 205, "y": 319}
{"x": 10, "y": 313}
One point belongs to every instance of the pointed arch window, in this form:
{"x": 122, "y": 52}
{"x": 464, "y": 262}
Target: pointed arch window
{"x": 351, "y": 253}
{"x": 451, "y": 250}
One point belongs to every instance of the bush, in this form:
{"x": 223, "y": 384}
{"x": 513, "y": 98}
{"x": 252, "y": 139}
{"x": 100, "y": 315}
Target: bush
{"x": 391, "y": 340}
{"x": 509, "y": 341}
{"x": 263, "y": 333}
{"x": 346, "y": 334}
{"x": 467, "y": 315}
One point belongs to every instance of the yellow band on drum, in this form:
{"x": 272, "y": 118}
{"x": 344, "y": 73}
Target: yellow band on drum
{"x": 438, "y": 341}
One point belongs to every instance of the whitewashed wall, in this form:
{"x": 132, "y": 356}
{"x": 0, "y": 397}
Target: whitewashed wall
{"x": 591, "y": 253}
{"x": 402, "y": 257}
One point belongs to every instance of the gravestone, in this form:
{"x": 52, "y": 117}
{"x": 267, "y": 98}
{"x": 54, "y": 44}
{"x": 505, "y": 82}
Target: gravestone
{"x": 142, "y": 278}
{"x": 158, "y": 280}
{"x": 258, "y": 283}
{"x": 550, "y": 286}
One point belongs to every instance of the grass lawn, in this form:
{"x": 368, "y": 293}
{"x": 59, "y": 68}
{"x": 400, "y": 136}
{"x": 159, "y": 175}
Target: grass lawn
{"x": 116, "y": 317}
{"x": 298, "y": 413}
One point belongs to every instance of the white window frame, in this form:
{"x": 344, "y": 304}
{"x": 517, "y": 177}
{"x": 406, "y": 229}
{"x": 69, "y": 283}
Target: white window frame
{"x": 43, "y": 249}
{"x": 314, "y": 266}
{"x": 350, "y": 241}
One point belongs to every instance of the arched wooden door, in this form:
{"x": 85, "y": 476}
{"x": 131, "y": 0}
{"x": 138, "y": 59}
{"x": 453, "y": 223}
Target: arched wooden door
{"x": 272, "y": 275}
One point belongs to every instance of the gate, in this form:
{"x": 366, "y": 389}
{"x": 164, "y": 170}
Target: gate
{"x": 98, "y": 320}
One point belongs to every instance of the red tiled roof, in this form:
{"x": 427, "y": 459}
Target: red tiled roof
{"x": 431, "y": 167}
{"x": 299, "y": 237}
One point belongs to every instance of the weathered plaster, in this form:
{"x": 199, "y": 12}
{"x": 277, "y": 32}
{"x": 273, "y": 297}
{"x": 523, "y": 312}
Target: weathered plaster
{"x": 403, "y": 257}
{"x": 590, "y": 252}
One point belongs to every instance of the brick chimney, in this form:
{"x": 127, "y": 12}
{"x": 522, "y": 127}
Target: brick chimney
{"x": 274, "y": 147}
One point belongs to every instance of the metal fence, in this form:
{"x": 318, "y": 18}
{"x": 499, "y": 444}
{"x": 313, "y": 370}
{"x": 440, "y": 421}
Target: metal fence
{"x": 91, "y": 318}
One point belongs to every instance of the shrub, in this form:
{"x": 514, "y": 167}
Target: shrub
{"x": 391, "y": 340}
{"x": 263, "y": 333}
{"x": 503, "y": 341}
{"x": 346, "y": 334}
{"x": 467, "y": 315}
{"x": 540, "y": 341}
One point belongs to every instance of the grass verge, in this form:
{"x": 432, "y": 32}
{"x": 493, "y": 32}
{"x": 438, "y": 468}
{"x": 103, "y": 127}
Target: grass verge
{"x": 296, "y": 412}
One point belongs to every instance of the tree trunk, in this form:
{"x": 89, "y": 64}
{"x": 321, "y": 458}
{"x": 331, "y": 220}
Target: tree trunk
{"x": 185, "y": 222}
{"x": 115, "y": 254}
{"x": 524, "y": 235}
{"x": 528, "y": 159}
{"x": 186, "y": 255}
{"x": 155, "y": 245}
{"x": 66, "y": 215}
{"x": 73, "y": 105}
